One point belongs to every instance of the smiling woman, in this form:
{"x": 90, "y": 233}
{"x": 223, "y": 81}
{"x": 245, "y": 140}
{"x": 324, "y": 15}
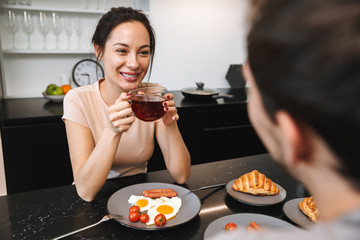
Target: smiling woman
{"x": 126, "y": 55}
{"x": 105, "y": 139}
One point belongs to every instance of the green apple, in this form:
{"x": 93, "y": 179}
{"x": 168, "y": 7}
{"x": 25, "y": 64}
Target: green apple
{"x": 58, "y": 91}
{"x": 50, "y": 88}
{"x": 53, "y": 89}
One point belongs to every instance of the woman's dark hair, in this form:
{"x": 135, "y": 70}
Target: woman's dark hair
{"x": 119, "y": 15}
{"x": 305, "y": 58}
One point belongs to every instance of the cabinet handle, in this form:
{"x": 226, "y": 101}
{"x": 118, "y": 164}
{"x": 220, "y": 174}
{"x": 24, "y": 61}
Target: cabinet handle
{"x": 226, "y": 128}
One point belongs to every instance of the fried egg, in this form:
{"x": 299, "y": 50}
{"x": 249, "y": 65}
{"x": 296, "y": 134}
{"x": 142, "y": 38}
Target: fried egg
{"x": 170, "y": 207}
{"x": 144, "y": 203}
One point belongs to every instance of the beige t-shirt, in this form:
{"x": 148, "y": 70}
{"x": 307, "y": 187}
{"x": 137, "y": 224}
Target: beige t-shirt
{"x": 85, "y": 106}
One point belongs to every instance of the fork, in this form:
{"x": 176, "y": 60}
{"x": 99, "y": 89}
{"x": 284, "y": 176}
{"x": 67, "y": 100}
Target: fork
{"x": 104, "y": 219}
{"x": 202, "y": 188}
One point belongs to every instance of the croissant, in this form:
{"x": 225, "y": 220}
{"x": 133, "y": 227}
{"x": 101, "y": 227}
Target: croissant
{"x": 309, "y": 208}
{"x": 255, "y": 183}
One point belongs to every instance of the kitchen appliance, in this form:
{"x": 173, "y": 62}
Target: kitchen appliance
{"x": 200, "y": 93}
{"x": 235, "y": 77}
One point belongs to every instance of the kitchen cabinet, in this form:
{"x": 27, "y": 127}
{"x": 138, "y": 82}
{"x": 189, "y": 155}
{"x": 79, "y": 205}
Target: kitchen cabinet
{"x": 34, "y": 145}
{"x": 214, "y": 134}
{"x": 36, "y": 156}
{"x": 218, "y": 133}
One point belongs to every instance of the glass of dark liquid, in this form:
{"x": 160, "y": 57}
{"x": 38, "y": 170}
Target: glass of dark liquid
{"x": 146, "y": 103}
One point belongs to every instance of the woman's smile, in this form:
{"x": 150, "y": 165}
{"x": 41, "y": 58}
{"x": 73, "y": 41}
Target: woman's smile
{"x": 130, "y": 77}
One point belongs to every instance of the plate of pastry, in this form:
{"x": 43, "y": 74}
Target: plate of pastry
{"x": 248, "y": 222}
{"x": 302, "y": 211}
{"x": 254, "y": 188}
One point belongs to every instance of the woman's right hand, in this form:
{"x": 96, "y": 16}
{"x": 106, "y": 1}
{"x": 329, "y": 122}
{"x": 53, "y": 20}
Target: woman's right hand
{"x": 120, "y": 114}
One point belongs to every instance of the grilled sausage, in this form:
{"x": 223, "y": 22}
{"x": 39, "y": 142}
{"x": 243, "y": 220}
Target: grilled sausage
{"x": 157, "y": 193}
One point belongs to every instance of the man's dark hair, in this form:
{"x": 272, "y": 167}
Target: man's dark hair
{"x": 305, "y": 58}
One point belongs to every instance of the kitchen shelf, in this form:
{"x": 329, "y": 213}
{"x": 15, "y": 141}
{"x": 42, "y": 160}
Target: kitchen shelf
{"x": 50, "y": 51}
{"x": 47, "y": 9}
{"x": 45, "y": 66}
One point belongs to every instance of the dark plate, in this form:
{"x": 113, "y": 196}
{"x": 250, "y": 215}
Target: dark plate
{"x": 253, "y": 199}
{"x": 293, "y": 212}
{"x": 242, "y": 220}
{"x": 118, "y": 204}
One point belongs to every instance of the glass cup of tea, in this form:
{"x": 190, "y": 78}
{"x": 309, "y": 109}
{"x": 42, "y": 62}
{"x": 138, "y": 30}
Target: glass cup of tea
{"x": 146, "y": 103}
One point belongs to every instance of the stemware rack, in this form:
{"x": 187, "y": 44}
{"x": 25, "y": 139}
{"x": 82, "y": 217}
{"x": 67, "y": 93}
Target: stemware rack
{"x": 26, "y": 72}
{"x": 86, "y": 13}
{"x": 48, "y": 9}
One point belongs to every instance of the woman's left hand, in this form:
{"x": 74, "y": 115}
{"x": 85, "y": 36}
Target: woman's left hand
{"x": 170, "y": 110}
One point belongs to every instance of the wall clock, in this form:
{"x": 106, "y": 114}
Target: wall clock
{"x": 86, "y": 72}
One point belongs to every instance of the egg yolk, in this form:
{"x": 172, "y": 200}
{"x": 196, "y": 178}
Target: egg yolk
{"x": 165, "y": 209}
{"x": 142, "y": 203}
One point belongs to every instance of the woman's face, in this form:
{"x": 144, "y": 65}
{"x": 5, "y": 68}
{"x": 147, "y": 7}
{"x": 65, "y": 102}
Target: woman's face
{"x": 126, "y": 55}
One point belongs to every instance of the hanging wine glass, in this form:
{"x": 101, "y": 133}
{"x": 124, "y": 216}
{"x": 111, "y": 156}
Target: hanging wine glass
{"x": 10, "y": 2}
{"x": 24, "y": 2}
{"x": 12, "y": 26}
{"x": 86, "y": 4}
{"x": 28, "y": 27}
{"x": 68, "y": 29}
{"x": 56, "y": 26}
{"x": 43, "y": 26}
{"x": 78, "y": 30}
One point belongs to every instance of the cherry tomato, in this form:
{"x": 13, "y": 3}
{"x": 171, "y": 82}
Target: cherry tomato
{"x": 230, "y": 227}
{"x": 160, "y": 219}
{"x": 134, "y": 216}
{"x": 144, "y": 218}
{"x": 134, "y": 209}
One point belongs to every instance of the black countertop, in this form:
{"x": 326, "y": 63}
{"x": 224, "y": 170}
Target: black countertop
{"x": 47, "y": 213}
{"x": 26, "y": 110}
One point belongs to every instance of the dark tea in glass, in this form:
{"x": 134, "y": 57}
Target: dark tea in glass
{"x": 147, "y": 103}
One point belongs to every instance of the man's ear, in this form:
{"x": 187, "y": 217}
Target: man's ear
{"x": 97, "y": 50}
{"x": 295, "y": 140}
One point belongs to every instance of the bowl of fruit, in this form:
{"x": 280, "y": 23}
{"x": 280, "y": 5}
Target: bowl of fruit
{"x": 54, "y": 93}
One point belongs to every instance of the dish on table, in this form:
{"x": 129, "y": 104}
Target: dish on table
{"x": 53, "y": 98}
{"x": 292, "y": 211}
{"x": 118, "y": 204}
{"x": 254, "y": 199}
{"x": 242, "y": 220}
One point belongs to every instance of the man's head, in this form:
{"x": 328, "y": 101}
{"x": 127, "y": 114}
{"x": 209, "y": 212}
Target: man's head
{"x": 304, "y": 57}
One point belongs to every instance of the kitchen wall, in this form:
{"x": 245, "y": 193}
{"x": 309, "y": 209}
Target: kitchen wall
{"x": 1, "y": 85}
{"x": 197, "y": 40}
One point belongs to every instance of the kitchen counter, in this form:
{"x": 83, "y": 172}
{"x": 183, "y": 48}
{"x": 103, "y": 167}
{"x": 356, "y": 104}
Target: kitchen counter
{"x": 26, "y": 110}
{"x": 44, "y": 214}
